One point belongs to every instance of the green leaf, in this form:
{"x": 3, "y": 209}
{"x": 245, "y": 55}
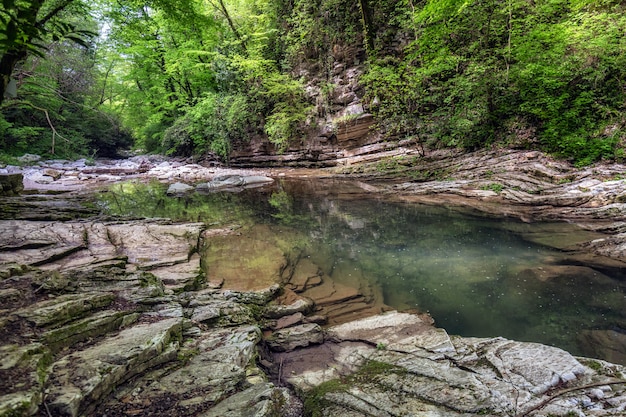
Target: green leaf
{"x": 8, "y": 4}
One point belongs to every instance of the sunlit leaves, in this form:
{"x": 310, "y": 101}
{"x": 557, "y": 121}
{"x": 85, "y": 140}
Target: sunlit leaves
{"x": 476, "y": 68}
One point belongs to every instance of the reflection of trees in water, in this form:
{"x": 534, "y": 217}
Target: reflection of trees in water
{"x": 468, "y": 272}
{"x": 477, "y": 277}
{"x": 135, "y": 199}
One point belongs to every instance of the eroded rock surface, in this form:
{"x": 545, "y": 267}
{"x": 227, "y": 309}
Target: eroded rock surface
{"x": 106, "y": 319}
{"x": 119, "y": 318}
{"x": 398, "y": 365}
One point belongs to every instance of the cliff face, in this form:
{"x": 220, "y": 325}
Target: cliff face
{"x": 340, "y": 123}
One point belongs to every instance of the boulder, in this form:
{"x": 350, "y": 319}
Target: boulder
{"x": 234, "y": 183}
{"x": 291, "y": 338}
{"x": 29, "y": 158}
{"x": 178, "y": 188}
{"x": 11, "y": 184}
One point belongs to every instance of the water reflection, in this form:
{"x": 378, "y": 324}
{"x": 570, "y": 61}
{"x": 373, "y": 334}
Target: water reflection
{"x": 476, "y": 276}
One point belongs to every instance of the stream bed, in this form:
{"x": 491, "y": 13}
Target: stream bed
{"x": 475, "y": 275}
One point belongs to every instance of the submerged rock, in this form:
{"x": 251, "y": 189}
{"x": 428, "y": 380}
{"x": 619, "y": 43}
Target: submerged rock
{"x": 234, "y": 183}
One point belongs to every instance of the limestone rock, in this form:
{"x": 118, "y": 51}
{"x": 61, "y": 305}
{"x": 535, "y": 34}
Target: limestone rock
{"x": 387, "y": 371}
{"x": 183, "y": 276}
{"x": 29, "y": 158}
{"x": 64, "y": 308}
{"x": 234, "y": 183}
{"x": 294, "y": 305}
{"x": 261, "y": 400}
{"x": 92, "y": 326}
{"x": 215, "y": 366}
{"x": 288, "y": 321}
{"x": 179, "y": 188}
{"x": 23, "y": 371}
{"x": 11, "y": 183}
{"x": 395, "y": 331}
{"x": 83, "y": 378}
{"x": 295, "y": 337}
{"x": 222, "y": 312}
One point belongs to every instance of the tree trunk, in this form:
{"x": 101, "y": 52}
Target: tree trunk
{"x": 29, "y": 28}
{"x": 7, "y": 63}
{"x": 366, "y": 18}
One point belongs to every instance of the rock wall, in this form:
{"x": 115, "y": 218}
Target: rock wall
{"x": 341, "y": 124}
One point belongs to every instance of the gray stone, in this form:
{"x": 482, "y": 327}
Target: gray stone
{"x": 410, "y": 370}
{"x": 300, "y": 305}
{"x": 260, "y": 400}
{"x": 288, "y": 321}
{"x": 11, "y": 184}
{"x": 216, "y": 364}
{"x": 179, "y": 188}
{"x": 291, "y": 338}
{"x": 64, "y": 308}
{"x": 29, "y": 158}
{"x": 84, "y": 377}
{"x": 234, "y": 183}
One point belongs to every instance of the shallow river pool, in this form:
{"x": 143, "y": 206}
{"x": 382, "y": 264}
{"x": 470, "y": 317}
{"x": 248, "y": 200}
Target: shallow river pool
{"x": 475, "y": 275}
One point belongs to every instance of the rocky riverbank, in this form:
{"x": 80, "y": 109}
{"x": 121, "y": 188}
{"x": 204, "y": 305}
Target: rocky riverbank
{"x": 117, "y": 318}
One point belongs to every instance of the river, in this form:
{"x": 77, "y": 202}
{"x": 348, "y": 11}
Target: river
{"x": 476, "y": 275}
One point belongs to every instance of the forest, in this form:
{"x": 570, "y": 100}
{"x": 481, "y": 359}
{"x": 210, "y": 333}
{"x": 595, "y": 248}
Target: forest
{"x": 201, "y": 77}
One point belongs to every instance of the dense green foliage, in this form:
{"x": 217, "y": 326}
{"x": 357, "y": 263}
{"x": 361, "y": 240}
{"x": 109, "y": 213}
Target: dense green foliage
{"x": 548, "y": 74}
{"x": 58, "y": 111}
{"x": 206, "y": 76}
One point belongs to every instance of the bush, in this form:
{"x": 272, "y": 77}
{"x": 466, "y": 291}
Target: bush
{"x": 474, "y": 70}
{"x": 212, "y": 125}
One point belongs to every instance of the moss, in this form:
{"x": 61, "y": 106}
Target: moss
{"x": 494, "y": 186}
{"x": 146, "y": 279}
{"x": 185, "y": 355}
{"x": 372, "y": 369}
{"x": 43, "y": 366}
{"x": 314, "y": 400}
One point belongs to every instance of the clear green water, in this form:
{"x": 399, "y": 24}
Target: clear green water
{"x": 476, "y": 276}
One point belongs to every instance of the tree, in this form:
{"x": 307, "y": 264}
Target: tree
{"x": 59, "y": 110}
{"x": 26, "y": 27}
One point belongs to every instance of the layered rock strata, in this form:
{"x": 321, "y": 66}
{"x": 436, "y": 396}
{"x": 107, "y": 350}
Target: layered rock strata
{"x": 115, "y": 319}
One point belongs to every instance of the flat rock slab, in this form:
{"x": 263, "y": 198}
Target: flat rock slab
{"x": 294, "y": 337}
{"x": 235, "y": 183}
{"x": 260, "y": 400}
{"x": 73, "y": 245}
{"x": 181, "y": 276}
{"x": 64, "y": 308}
{"x": 217, "y": 362}
{"x": 81, "y": 379}
{"x": 393, "y": 365}
{"x": 394, "y": 331}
